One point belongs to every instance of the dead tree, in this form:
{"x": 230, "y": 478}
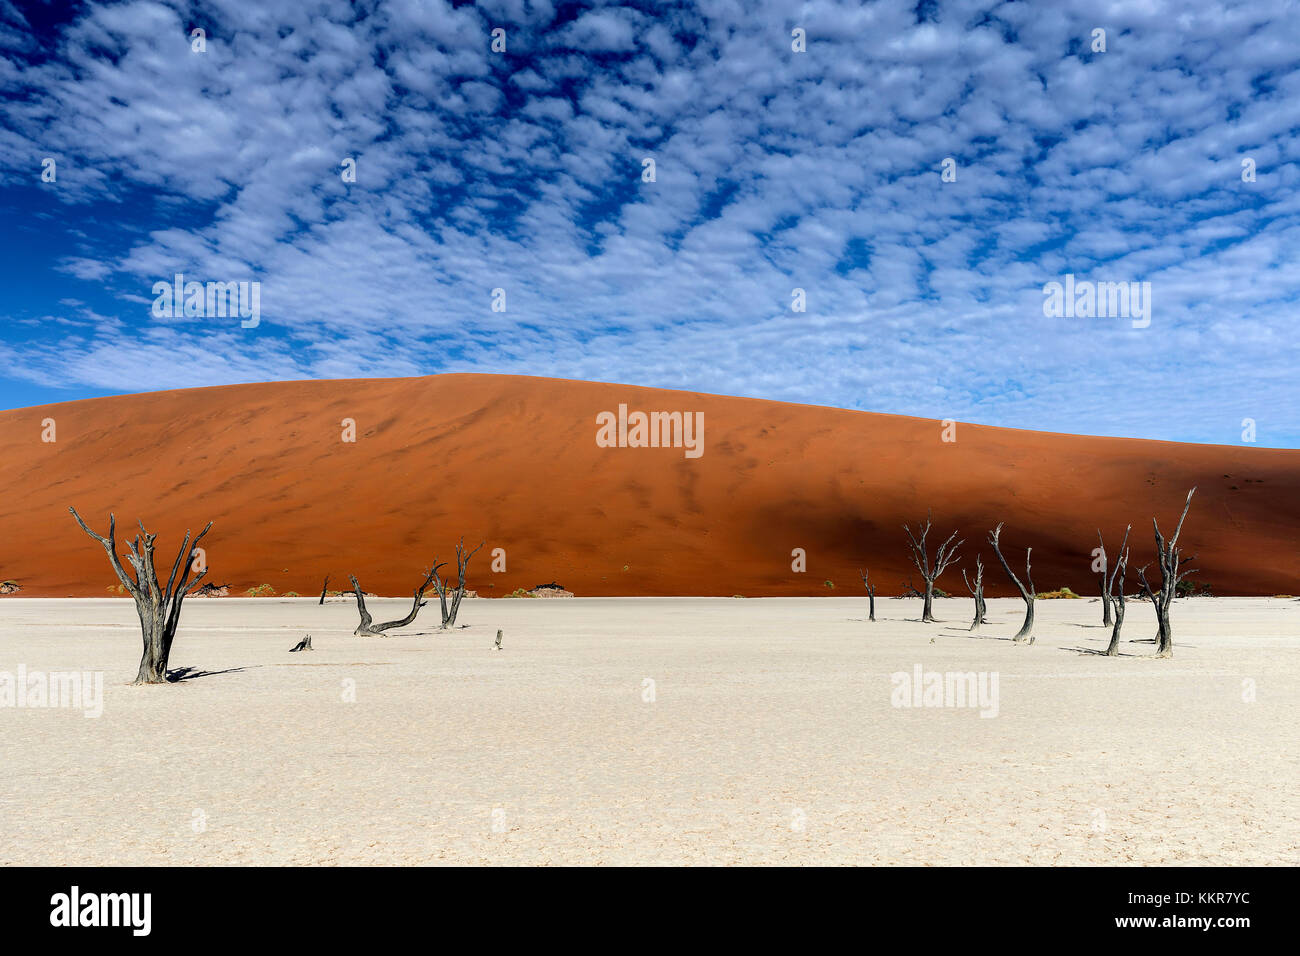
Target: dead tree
{"x": 449, "y": 612}
{"x": 1172, "y": 571}
{"x": 871, "y": 596}
{"x": 322, "y": 590}
{"x": 977, "y": 592}
{"x": 303, "y": 645}
{"x": 930, "y": 572}
{"x": 367, "y": 627}
{"x": 159, "y": 606}
{"x": 1026, "y": 631}
{"x": 1104, "y": 583}
{"x": 1119, "y": 572}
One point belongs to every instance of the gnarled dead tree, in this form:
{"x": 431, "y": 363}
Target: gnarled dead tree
{"x": 1026, "y": 631}
{"x": 977, "y": 592}
{"x": 1103, "y": 582}
{"x": 930, "y": 572}
{"x": 1121, "y": 568}
{"x": 1172, "y": 571}
{"x": 367, "y": 627}
{"x": 449, "y": 612}
{"x": 159, "y": 606}
{"x": 323, "y": 588}
{"x": 871, "y": 595}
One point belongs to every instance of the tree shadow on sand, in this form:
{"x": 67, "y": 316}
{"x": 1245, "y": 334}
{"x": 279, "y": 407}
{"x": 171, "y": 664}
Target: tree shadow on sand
{"x": 975, "y": 635}
{"x": 1094, "y": 652}
{"x": 193, "y": 673}
{"x": 432, "y": 631}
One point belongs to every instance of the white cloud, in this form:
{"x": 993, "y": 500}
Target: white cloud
{"x": 774, "y": 170}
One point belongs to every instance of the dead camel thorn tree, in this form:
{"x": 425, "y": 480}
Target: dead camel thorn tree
{"x": 462, "y": 565}
{"x": 871, "y": 595}
{"x": 1121, "y": 568}
{"x": 159, "y": 607}
{"x": 977, "y": 592}
{"x": 1172, "y": 571}
{"x": 367, "y": 627}
{"x": 1104, "y": 583}
{"x": 944, "y": 557}
{"x": 1026, "y": 631}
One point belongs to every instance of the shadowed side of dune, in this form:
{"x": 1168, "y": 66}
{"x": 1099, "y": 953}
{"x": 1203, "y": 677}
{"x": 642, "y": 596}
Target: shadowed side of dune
{"x": 514, "y": 461}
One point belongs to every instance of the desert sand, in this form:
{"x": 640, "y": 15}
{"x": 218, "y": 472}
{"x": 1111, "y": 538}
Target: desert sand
{"x": 771, "y": 737}
{"x": 514, "y": 460}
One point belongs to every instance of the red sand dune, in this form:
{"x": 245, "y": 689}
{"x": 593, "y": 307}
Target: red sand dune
{"x": 514, "y": 460}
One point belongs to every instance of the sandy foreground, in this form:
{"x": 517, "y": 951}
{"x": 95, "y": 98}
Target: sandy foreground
{"x": 767, "y": 736}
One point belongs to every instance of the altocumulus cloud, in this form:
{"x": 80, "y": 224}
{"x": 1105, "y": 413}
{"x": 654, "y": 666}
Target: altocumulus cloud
{"x": 774, "y": 170}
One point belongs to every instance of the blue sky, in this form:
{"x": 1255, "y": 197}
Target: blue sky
{"x": 774, "y": 170}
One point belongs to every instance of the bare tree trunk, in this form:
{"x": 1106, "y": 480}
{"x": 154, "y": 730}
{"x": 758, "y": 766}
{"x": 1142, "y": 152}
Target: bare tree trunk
{"x": 449, "y": 613}
{"x": 1103, "y": 584}
{"x": 1172, "y": 571}
{"x": 1112, "y": 650}
{"x": 153, "y": 660}
{"x": 930, "y": 572}
{"x": 977, "y": 592}
{"x": 1121, "y": 567}
{"x": 366, "y": 620}
{"x": 323, "y": 588}
{"x": 367, "y": 627}
{"x": 871, "y": 596}
{"x": 1028, "y": 594}
{"x": 1026, "y": 631}
{"x": 442, "y": 597}
{"x": 158, "y": 606}
{"x": 1164, "y": 633}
